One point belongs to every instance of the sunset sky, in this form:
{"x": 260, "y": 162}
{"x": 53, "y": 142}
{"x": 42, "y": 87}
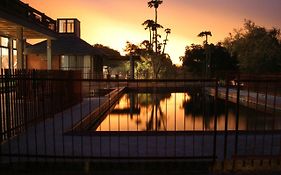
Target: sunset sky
{"x": 113, "y": 22}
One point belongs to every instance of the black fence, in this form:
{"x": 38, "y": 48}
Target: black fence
{"x": 29, "y": 96}
{"x": 55, "y": 116}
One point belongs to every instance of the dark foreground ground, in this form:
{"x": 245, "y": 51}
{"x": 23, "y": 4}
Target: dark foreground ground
{"x": 132, "y": 168}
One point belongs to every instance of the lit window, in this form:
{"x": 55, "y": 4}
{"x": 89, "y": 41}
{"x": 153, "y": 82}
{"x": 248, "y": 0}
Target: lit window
{"x": 62, "y": 26}
{"x": 14, "y": 44}
{"x": 72, "y": 62}
{"x": 15, "y": 63}
{"x": 4, "y": 58}
{"x": 4, "y": 42}
{"x": 70, "y": 26}
{"x": 64, "y": 62}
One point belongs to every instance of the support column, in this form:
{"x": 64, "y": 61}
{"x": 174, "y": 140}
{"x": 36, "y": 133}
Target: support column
{"x": 49, "y": 54}
{"x": 132, "y": 68}
{"x": 24, "y": 55}
{"x": 10, "y": 53}
{"x": 20, "y": 48}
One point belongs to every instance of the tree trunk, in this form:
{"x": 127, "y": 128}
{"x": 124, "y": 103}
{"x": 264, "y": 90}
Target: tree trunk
{"x": 156, "y": 44}
{"x": 150, "y": 39}
{"x": 165, "y": 43}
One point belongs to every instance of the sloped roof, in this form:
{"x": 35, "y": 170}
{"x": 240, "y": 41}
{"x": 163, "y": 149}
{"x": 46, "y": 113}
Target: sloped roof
{"x": 65, "y": 45}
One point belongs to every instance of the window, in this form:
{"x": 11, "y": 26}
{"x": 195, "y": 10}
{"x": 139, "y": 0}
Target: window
{"x": 66, "y": 26}
{"x": 87, "y": 67}
{"x": 70, "y": 26}
{"x": 8, "y": 61}
{"x": 72, "y": 62}
{"x": 52, "y": 26}
{"x": 80, "y": 61}
{"x": 15, "y": 60}
{"x": 64, "y": 62}
{"x": 4, "y": 58}
{"x": 4, "y": 42}
{"x": 14, "y": 44}
{"x": 62, "y": 26}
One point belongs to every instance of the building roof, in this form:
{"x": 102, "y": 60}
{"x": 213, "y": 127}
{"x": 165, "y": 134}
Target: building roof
{"x": 35, "y": 24}
{"x": 65, "y": 45}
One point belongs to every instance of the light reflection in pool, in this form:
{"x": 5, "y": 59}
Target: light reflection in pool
{"x": 178, "y": 112}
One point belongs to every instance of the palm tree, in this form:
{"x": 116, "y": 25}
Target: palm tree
{"x": 206, "y": 34}
{"x": 156, "y": 35}
{"x": 155, "y": 4}
{"x": 207, "y": 51}
{"x": 168, "y": 31}
{"x": 149, "y": 25}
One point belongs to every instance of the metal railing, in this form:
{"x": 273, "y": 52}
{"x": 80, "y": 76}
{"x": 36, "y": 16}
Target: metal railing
{"x": 29, "y": 96}
{"x": 56, "y": 116}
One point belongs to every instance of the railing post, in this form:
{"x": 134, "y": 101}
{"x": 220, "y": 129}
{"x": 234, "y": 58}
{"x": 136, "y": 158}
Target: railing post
{"x": 1, "y": 115}
{"x": 7, "y": 99}
{"x": 237, "y": 121}
{"x": 226, "y": 119}
{"x": 132, "y": 68}
{"x": 215, "y": 123}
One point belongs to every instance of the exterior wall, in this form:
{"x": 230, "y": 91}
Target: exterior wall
{"x": 92, "y": 65}
{"x": 39, "y": 62}
{"x": 55, "y": 62}
{"x": 34, "y": 61}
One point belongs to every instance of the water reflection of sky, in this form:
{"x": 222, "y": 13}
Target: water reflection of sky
{"x": 179, "y": 112}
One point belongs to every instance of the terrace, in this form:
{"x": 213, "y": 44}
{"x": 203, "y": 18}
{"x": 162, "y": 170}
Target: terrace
{"x": 72, "y": 120}
{"x": 157, "y": 121}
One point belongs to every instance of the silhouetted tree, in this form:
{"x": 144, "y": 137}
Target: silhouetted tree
{"x": 167, "y": 31}
{"x": 107, "y": 51}
{"x": 160, "y": 65}
{"x": 149, "y": 24}
{"x": 205, "y": 34}
{"x": 258, "y": 49}
{"x": 155, "y": 4}
{"x": 143, "y": 68}
{"x": 207, "y": 51}
{"x": 146, "y": 45}
{"x": 132, "y": 49}
{"x": 221, "y": 60}
{"x": 156, "y": 36}
{"x": 194, "y": 59}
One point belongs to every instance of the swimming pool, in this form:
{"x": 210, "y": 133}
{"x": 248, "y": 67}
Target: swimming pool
{"x": 180, "y": 111}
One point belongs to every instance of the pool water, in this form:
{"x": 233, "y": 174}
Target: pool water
{"x": 181, "y": 111}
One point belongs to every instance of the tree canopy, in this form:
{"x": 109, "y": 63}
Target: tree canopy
{"x": 257, "y": 49}
{"x": 205, "y": 34}
{"x": 152, "y": 65}
{"x": 108, "y": 51}
{"x": 195, "y": 61}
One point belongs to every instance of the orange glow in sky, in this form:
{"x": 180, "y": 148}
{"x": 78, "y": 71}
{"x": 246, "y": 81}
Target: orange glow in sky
{"x": 113, "y": 22}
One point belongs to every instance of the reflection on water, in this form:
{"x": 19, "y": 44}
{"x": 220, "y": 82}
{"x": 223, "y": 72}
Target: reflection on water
{"x": 180, "y": 112}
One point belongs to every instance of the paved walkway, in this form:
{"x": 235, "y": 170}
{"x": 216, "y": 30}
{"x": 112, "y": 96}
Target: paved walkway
{"x": 250, "y": 99}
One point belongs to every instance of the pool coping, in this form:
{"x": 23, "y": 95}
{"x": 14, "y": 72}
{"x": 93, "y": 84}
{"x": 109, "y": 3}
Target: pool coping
{"x": 94, "y": 117}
